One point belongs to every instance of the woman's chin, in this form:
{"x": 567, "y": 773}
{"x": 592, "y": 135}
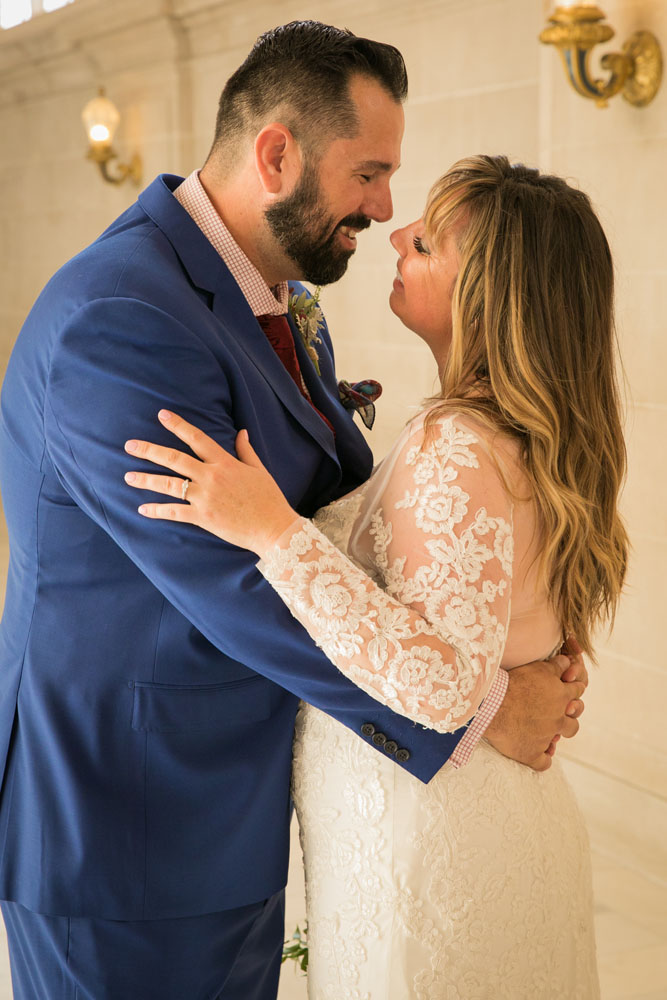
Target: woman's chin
{"x": 395, "y": 302}
{"x": 395, "y": 305}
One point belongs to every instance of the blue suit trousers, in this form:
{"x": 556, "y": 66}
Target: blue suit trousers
{"x": 231, "y": 955}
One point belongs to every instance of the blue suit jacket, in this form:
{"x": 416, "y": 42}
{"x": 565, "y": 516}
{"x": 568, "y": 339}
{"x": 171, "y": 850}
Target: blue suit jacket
{"x": 149, "y": 676}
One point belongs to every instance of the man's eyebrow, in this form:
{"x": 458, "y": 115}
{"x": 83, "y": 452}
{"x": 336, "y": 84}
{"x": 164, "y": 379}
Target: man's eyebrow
{"x": 376, "y": 166}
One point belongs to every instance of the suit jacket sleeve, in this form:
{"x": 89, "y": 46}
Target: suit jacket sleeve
{"x": 117, "y": 361}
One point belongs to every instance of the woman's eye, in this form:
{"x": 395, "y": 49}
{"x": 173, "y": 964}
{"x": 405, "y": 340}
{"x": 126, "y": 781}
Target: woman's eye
{"x": 419, "y": 246}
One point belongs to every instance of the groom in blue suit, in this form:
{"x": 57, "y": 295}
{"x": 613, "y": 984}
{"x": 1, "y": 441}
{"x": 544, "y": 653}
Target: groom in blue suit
{"x": 149, "y": 677}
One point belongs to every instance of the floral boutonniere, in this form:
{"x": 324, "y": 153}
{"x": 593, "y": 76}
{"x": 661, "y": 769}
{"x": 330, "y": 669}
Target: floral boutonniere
{"x": 307, "y": 315}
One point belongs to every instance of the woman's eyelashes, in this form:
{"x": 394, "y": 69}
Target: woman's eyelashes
{"x": 419, "y": 246}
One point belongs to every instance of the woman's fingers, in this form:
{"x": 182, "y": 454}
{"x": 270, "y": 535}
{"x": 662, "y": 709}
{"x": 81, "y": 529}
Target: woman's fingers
{"x": 168, "y": 458}
{"x": 208, "y": 450}
{"x": 170, "y": 485}
{"x": 204, "y": 446}
{"x": 235, "y": 499}
{"x": 246, "y": 452}
{"x": 168, "y": 512}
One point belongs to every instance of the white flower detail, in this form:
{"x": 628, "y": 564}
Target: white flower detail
{"x": 439, "y": 508}
{"x": 421, "y": 623}
{"x": 503, "y": 547}
{"x": 366, "y": 802}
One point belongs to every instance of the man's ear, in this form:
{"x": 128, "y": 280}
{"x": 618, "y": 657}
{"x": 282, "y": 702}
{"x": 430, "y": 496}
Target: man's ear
{"x": 277, "y": 158}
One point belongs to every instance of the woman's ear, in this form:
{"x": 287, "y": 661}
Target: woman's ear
{"x": 277, "y": 159}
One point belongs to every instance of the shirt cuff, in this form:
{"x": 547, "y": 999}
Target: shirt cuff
{"x": 481, "y": 721}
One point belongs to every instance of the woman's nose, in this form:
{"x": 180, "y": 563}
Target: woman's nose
{"x": 397, "y": 240}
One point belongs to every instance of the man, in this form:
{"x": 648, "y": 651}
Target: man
{"x": 150, "y": 676}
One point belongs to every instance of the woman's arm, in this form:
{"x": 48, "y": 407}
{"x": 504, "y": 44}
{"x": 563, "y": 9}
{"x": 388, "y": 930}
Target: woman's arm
{"x": 429, "y": 641}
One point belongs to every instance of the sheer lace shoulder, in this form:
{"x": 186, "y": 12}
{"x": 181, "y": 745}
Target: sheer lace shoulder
{"x": 419, "y": 620}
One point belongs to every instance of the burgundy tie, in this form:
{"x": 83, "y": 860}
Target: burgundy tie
{"x": 279, "y": 335}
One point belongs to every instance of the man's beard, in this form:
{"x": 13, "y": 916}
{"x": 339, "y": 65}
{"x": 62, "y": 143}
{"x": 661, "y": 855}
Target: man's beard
{"x": 308, "y": 235}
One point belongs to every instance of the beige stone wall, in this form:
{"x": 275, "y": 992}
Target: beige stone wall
{"x": 480, "y": 82}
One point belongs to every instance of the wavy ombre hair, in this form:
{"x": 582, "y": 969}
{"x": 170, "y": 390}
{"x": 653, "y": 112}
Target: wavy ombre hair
{"x": 533, "y": 354}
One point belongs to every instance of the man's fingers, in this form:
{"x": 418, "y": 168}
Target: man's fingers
{"x": 571, "y": 670}
{"x": 575, "y": 708}
{"x": 569, "y": 727}
{"x": 560, "y": 663}
{"x": 534, "y": 710}
{"x": 572, "y": 647}
{"x": 574, "y": 690}
{"x": 576, "y": 671}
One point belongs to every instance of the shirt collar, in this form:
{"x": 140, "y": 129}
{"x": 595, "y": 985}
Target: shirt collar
{"x": 260, "y": 297}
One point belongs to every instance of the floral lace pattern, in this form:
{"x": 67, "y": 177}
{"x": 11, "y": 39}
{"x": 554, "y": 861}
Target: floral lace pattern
{"x": 425, "y": 634}
{"x": 476, "y": 886}
{"x": 462, "y": 889}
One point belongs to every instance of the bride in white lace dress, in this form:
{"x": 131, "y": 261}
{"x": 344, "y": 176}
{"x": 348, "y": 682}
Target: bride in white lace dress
{"x": 489, "y": 529}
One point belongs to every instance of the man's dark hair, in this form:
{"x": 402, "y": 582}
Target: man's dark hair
{"x": 303, "y": 69}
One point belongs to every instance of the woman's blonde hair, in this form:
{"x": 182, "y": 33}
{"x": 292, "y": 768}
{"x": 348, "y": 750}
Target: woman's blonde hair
{"x": 533, "y": 355}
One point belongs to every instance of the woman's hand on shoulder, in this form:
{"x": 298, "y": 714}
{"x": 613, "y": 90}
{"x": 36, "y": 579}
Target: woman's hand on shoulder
{"x": 236, "y": 499}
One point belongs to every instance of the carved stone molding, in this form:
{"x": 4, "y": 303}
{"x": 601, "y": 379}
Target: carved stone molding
{"x": 90, "y": 41}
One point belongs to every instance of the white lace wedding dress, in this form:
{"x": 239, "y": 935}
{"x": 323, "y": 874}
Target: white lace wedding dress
{"x": 476, "y": 886}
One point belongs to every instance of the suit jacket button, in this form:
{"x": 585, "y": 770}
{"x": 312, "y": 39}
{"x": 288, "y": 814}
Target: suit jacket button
{"x": 390, "y": 746}
{"x": 402, "y": 755}
{"x": 368, "y": 729}
{"x": 379, "y": 739}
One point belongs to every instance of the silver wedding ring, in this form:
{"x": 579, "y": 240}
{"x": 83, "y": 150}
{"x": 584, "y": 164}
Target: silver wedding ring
{"x": 184, "y": 488}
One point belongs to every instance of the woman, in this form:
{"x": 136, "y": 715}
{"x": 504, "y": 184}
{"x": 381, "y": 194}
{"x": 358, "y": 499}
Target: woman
{"x": 488, "y": 532}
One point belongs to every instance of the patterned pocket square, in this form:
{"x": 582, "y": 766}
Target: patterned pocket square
{"x": 360, "y": 396}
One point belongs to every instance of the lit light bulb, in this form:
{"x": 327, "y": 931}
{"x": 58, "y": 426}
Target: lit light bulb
{"x": 100, "y": 133}
{"x": 100, "y": 119}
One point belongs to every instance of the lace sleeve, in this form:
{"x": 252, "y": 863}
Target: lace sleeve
{"x": 428, "y": 640}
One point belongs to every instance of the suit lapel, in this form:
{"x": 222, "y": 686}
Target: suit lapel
{"x": 234, "y": 313}
{"x": 208, "y": 271}
{"x": 354, "y": 454}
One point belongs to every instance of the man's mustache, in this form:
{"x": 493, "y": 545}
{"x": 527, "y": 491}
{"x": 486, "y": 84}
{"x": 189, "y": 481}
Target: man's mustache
{"x": 355, "y": 222}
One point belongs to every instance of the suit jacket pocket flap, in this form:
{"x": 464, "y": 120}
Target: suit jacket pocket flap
{"x": 175, "y": 708}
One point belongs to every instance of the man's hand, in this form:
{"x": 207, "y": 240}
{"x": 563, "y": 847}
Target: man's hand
{"x": 542, "y": 703}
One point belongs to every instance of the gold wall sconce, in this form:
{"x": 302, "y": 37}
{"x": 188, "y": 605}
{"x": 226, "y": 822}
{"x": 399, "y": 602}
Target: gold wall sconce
{"x": 576, "y": 27}
{"x": 101, "y": 119}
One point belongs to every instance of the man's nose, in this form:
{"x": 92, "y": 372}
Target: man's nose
{"x": 379, "y": 206}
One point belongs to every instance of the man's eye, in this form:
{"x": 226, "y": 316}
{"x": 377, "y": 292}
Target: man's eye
{"x": 419, "y": 246}
{"x": 365, "y": 178}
